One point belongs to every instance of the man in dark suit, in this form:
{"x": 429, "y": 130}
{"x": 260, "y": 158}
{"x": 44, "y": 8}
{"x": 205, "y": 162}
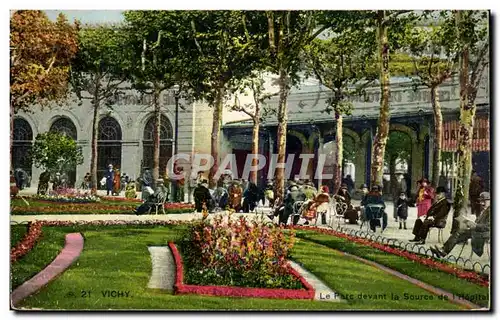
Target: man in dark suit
{"x": 202, "y": 195}
{"x": 436, "y": 217}
{"x": 478, "y": 231}
{"x": 109, "y": 175}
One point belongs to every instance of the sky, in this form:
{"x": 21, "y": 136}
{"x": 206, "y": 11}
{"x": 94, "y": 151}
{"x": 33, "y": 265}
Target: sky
{"x": 89, "y": 16}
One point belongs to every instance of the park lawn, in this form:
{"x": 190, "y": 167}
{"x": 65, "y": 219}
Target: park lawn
{"x": 43, "y": 253}
{"x": 117, "y": 258}
{"x": 415, "y": 270}
{"x": 17, "y": 232}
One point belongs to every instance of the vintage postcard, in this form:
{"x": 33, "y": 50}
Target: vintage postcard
{"x": 250, "y": 160}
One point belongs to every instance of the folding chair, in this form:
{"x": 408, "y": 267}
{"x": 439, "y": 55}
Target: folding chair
{"x": 160, "y": 202}
{"x": 377, "y": 212}
{"x": 340, "y": 209}
{"x": 486, "y": 243}
{"x": 440, "y": 232}
{"x": 297, "y": 205}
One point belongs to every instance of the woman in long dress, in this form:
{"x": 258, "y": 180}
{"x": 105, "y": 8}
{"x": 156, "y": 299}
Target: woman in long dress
{"x": 116, "y": 182}
{"x": 425, "y": 195}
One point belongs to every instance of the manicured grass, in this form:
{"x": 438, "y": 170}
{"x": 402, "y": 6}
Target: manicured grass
{"x": 117, "y": 258}
{"x": 365, "y": 287}
{"x": 433, "y": 277}
{"x": 45, "y": 250}
{"x": 17, "y": 232}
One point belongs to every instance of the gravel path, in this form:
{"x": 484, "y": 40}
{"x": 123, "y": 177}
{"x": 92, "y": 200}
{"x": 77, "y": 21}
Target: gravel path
{"x": 163, "y": 271}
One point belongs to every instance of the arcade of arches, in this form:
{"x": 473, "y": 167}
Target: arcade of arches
{"x": 109, "y": 143}
{"x": 321, "y": 140}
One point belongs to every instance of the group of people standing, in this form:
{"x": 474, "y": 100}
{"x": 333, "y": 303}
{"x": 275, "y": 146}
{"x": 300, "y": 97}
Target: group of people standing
{"x": 114, "y": 182}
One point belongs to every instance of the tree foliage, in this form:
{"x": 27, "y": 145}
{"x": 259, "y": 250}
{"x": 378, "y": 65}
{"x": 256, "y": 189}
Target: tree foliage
{"x": 55, "y": 152}
{"x": 101, "y": 65}
{"x": 41, "y": 52}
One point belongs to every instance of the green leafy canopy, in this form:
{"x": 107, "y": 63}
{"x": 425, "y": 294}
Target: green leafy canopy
{"x": 55, "y": 151}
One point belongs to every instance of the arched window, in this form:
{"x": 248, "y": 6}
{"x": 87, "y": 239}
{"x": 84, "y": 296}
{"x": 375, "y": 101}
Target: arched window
{"x": 166, "y": 134}
{"x": 109, "y": 130}
{"x": 66, "y": 126}
{"x": 22, "y": 141}
{"x": 109, "y": 145}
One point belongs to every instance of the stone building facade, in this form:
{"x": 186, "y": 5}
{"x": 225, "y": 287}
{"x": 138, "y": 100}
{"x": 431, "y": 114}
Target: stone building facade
{"x": 125, "y": 132}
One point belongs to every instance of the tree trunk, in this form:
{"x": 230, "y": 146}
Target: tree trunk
{"x": 380, "y": 141}
{"x": 255, "y": 146}
{"x": 216, "y": 124}
{"x": 11, "y": 134}
{"x": 279, "y": 174}
{"x": 438, "y": 128}
{"x": 337, "y": 170}
{"x": 464, "y": 147}
{"x": 156, "y": 133}
{"x": 93, "y": 145}
{"x": 392, "y": 175}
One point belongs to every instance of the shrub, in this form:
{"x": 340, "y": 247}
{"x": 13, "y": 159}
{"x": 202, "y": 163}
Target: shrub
{"x": 238, "y": 253}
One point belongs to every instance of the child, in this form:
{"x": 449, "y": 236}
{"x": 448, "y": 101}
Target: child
{"x": 402, "y": 209}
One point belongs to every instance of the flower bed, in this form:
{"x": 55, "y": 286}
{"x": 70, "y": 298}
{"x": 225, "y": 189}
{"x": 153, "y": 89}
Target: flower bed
{"x": 236, "y": 252}
{"x": 67, "y": 199}
{"x": 63, "y": 223}
{"x": 460, "y": 273}
{"x": 121, "y": 199}
{"x": 228, "y": 291}
{"x": 94, "y": 208}
{"x": 28, "y": 242}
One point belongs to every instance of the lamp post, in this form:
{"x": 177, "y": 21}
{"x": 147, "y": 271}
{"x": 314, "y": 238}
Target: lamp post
{"x": 176, "y": 136}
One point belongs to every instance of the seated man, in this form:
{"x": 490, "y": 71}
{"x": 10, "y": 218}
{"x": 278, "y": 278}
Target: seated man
{"x": 160, "y": 193}
{"x": 202, "y": 195}
{"x": 436, "y": 217}
{"x": 478, "y": 231}
{"x": 370, "y": 202}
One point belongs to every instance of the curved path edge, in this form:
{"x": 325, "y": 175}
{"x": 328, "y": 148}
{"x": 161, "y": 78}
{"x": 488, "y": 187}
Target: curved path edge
{"x": 68, "y": 255}
{"x": 451, "y": 297}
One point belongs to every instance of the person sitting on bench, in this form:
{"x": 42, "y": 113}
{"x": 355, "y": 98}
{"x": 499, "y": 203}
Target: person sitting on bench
{"x": 478, "y": 231}
{"x": 160, "y": 193}
{"x": 435, "y": 217}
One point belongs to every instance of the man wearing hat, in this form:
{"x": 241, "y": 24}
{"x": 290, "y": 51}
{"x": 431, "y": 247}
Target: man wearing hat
{"x": 436, "y": 217}
{"x": 109, "y": 175}
{"x": 478, "y": 231}
{"x": 425, "y": 195}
